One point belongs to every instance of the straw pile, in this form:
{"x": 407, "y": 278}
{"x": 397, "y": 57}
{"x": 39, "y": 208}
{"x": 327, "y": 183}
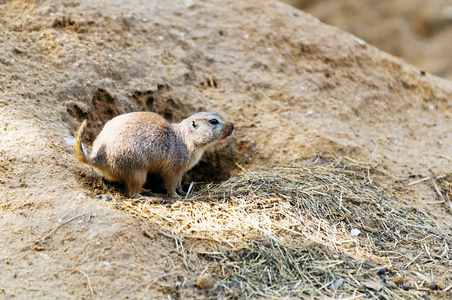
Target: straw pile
{"x": 318, "y": 231}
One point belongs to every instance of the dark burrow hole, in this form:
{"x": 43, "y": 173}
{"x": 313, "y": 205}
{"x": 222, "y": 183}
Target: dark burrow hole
{"x": 216, "y": 165}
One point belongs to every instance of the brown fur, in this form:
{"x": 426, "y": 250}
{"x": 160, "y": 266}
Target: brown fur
{"x": 132, "y": 145}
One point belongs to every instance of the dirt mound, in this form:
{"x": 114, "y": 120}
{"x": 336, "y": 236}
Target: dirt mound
{"x": 419, "y": 33}
{"x": 301, "y": 228}
{"x": 294, "y": 87}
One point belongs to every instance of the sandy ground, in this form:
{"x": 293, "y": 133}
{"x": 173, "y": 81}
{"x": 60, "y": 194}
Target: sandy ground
{"x": 420, "y": 32}
{"x": 293, "y": 86}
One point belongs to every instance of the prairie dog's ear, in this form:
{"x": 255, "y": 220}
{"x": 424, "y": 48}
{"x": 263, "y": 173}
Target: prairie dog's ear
{"x": 193, "y": 123}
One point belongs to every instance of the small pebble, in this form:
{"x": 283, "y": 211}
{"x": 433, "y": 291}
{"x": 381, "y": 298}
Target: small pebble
{"x": 381, "y": 272}
{"x": 391, "y": 284}
{"x": 39, "y": 246}
{"x": 209, "y": 58}
{"x": 190, "y": 3}
{"x": 361, "y": 42}
{"x": 355, "y": 231}
{"x": 433, "y": 286}
{"x": 69, "y": 140}
{"x": 406, "y": 287}
{"x": 295, "y": 14}
{"x": 399, "y": 280}
{"x": 106, "y": 198}
{"x": 205, "y": 282}
{"x": 337, "y": 284}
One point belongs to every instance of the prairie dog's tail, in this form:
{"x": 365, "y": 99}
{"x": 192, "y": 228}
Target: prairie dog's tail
{"x": 78, "y": 147}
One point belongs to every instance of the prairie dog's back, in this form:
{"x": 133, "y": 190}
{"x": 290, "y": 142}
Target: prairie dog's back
{"x": 134, "y": 140}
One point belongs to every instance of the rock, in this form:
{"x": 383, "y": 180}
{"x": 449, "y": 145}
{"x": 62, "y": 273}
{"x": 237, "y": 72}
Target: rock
{"x": 373, "y": 285}
{"x": 355, "y": 231}
{"x": 69, "y": 140}
{"x": 205, "y": 282}
{"x": 391, "y": 284}
{"x": 406, "y": 287}
{"x": 399, "y": 280}
{"x": 190, "y": 3}
{"x": 39, "y": 246}
{"x": 338, "y": 283}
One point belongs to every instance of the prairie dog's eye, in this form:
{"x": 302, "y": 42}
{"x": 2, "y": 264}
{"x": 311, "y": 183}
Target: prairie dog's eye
{"x": 213, "y": 121}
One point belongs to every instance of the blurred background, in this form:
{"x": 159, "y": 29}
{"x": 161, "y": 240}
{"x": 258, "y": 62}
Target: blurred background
{"x": 419, "y": 31}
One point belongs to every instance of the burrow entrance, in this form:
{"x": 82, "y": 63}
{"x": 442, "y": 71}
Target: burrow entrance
{"x": 216, "y": 164}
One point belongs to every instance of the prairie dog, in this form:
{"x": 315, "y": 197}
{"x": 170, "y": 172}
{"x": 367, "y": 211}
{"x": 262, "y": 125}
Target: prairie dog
{"x": 132, "y": 145}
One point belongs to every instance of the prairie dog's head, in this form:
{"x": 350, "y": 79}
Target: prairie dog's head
{"x": 206, "y": 128}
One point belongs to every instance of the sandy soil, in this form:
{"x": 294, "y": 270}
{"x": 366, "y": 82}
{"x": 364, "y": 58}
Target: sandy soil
{"x": 420, "y": 32}
{"x": 293, "y": 86}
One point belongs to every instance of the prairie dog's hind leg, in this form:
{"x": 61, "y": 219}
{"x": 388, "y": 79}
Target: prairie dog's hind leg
{"x": 135, "y": 182}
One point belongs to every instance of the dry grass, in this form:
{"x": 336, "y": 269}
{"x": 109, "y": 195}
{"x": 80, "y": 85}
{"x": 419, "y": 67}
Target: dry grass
{"x": 286, "y": 232}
